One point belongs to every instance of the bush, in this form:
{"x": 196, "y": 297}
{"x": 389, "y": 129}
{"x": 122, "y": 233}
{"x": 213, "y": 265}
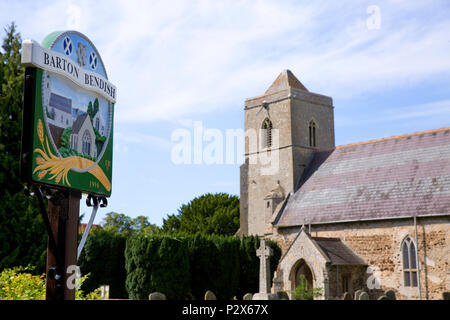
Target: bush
{"x": 303, "y": 293}
{"x": 157, "y": 263}
{"x": 18, "y": 284}
{"x": 104, "y": 259}
{"x": 188, "y": 266}
{"x": 214, "y": 265}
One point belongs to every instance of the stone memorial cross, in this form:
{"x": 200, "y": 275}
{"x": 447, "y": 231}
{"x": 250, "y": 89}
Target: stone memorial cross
{"x": 264, "y": 252}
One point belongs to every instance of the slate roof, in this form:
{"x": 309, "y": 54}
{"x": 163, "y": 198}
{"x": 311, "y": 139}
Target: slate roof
{"x": 79, "y": 123}
{"x": 395, "y": 177}
{"x": 61, "y": 103}
{"x": 56, "y": 133}
{"x": 337, "y": 252}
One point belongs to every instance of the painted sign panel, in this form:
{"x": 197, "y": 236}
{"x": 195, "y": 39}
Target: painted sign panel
{"x": 71, "y": 135}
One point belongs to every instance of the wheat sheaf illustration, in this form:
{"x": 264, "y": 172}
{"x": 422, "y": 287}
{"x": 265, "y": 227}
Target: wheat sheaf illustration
{"x": 58, "y": 168}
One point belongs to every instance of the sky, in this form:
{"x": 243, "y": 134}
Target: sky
{"x": 178, "y": 64}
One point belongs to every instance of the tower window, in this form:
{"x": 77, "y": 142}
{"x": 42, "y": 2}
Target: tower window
{"x": 409, "y": 263}
{"x": 312, "y": 134}
{"x": 266, "y": 134}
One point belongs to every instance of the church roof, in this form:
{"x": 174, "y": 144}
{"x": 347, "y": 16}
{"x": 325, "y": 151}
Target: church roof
{"x": 333, "y": 250}
{"x": 337, "y": 252}
{"x": 56, "y": 133}
{"x": 61, "y": 103}
{"x": 395, "y": 177}
{"x": 285, "y": 80}
{"x": 79, "y": 123}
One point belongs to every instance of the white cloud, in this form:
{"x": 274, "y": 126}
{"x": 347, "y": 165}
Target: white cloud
{"x": 171, "y": 60}
{"x": 74, "y": 17}
{"x": 122, "y": 139}
{"x": 437, "y": 109}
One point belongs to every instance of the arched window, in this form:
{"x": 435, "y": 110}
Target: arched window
{"x": 266, "y": 134}
{"x": 86, "y": 148}
{"x": 312, "y": 133}
{"x": 409, "y": 262}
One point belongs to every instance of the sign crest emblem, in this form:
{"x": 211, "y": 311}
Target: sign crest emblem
{"x": 81, "y": 54}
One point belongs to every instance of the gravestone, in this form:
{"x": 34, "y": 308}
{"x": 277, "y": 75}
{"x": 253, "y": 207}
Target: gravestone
{"x": 104, "y": 292}
{"x": 248, "y": 296}
{"x": 347, "y": 296}
{"x": 363, "y": 296}
{"x": 282, "y": 295}
{"x": 157, "y": 296}
{"x": 264, "y": 252}
{"x": 390, "y": 294}
{"x": 209, "y": 295}
{"x": 357, "y": 293}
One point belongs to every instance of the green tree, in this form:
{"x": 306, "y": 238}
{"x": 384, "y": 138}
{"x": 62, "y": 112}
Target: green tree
{"x": 208, "y": 214}
{"x": 117, "y": 222}
{"x": 65, "y": 137}
{"x": 126, "y": 225}
{"x": 96, "y": 107}
{"x": 89, "y": 110}
{"x": 93, "y": 109}
{"x": 22, "y": 232}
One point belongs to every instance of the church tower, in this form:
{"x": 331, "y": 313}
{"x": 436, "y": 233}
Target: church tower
{"x": 283, "y": 127}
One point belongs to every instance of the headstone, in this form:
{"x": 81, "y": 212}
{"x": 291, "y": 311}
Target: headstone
{"x": 104, "y": 292}
{"x": 383, "y": 298}
{"x": 248, "y": 296}
{"x": 347, "y": 296}
{"x": 264, "y": 252}
{"x": 157, "y": 296}
{"x": 190, "y": 296}
{"x": 209, "y": 295}
{"x": 357, "y": 293}
{"x": 363, "y": 296}
{"x": 390, "y": 294}
{"x": 282, "y": 295}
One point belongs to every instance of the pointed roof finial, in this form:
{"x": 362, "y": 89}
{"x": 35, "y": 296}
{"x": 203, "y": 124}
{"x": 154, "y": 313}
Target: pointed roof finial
{"x": 285, "y": 80}
{"x": 303, "y": 228}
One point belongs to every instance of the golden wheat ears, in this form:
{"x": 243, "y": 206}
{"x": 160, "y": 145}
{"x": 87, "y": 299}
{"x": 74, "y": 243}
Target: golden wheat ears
{"x": 60, "y": 167}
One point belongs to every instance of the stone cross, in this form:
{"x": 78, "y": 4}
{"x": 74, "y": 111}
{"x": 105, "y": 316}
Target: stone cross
{"x": 264, "y": 252}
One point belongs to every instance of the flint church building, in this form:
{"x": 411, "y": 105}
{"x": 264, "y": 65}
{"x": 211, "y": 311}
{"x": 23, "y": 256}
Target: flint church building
{"x": 369, "y": 216}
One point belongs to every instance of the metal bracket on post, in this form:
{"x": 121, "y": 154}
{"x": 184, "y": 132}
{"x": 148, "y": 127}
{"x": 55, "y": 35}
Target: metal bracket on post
{"x": 39, "y": 195}
{"x": 55, "y": 272}
{"x": 91, "y": 201}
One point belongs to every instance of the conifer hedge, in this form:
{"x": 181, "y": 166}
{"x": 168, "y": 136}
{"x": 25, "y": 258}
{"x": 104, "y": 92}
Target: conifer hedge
{"x": 157, "y": 263}
{"x": 103, "y": 257}
{"x": 187, "y": 266}
{"x": 181, "y": 267}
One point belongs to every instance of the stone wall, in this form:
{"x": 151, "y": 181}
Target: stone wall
{"x": 379, "y": 244}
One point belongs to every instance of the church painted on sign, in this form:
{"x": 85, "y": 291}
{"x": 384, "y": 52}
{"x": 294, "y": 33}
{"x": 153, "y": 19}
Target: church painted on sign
{"x": 371, "y": 216}
{"x": 82, "y": 122}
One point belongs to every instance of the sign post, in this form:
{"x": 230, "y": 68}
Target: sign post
{"x": 67, "y": 142}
